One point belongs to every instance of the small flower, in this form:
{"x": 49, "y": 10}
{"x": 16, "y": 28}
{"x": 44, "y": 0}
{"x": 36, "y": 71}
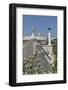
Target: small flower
{"x": 25, "y": 58}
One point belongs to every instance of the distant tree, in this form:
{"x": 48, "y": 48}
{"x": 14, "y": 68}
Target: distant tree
{"x": 54, "y": 68}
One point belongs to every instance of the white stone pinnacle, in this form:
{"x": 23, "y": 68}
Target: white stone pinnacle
{"x": 49, "y": 38}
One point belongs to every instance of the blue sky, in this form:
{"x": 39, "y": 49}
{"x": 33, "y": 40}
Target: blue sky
{"x": 41, "y": 24}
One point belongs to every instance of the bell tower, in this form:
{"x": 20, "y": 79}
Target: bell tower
{"x": 33, "y": 32}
